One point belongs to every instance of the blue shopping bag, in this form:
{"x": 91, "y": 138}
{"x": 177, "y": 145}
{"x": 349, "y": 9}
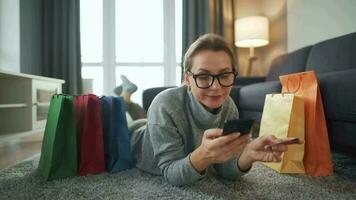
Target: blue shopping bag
{"x": 118, "y": 155}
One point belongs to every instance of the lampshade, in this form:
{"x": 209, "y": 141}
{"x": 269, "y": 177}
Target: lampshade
{"x": 251, "y": 31}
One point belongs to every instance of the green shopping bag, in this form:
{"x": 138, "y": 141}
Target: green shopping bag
{"x": 59, "y": 146}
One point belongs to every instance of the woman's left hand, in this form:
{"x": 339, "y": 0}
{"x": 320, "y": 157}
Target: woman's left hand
{"x": 258, "y": 150}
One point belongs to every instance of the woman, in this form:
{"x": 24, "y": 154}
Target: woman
{"x": 183, "y": 135}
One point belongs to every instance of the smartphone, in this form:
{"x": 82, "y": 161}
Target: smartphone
{"x": 238, "y": 125}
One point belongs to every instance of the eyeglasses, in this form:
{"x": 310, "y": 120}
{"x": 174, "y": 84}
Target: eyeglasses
{"x": 204, "y": 81}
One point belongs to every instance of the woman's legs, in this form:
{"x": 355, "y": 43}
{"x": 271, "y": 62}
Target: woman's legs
{"x": 136, "y": 124}
{"x": 135, "y": 110}
{"x": 126, "y": 90}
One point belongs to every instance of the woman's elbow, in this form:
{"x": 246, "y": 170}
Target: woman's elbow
{"x": 176, "y": 180}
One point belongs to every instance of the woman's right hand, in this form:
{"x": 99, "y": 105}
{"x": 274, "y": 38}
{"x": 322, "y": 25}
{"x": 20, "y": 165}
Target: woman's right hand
{"x": 217, "y": 148}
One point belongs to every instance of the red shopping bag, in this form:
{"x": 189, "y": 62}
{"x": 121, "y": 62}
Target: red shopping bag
{"x": 90, "y": 134}
{"x": 317, "y": 157}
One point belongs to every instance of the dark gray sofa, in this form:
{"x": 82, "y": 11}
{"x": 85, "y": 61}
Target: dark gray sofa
{"x": 334, "y": 62}
{"x": 249, "y": 97}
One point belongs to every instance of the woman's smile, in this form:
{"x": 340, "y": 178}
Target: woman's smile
{"x": 214, "y": 97}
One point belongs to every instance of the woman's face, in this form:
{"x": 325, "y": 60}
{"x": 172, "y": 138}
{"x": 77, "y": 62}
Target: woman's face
{"x": 210, "y": 62}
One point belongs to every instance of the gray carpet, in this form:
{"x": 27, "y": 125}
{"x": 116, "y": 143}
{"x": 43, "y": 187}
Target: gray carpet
{"x": 21, "y": 182}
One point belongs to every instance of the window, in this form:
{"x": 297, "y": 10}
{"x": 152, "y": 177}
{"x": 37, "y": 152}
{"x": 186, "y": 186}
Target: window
{"x": 138, "y": 38}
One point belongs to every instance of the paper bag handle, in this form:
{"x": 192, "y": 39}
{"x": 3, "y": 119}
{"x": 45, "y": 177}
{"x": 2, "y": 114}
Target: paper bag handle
{"x": 300, "y": 83}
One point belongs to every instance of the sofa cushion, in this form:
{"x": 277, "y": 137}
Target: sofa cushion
{"x": 288, "y": 63}
{"x": 333, "y": 55}
{"x": 250, "y": 114}
{"x": 252, "y": 97}
{"x": 340, "y": 137}
{"x": 249, "y": 80}
{"x": 234, "y": 94}
{"x": 338, "y": 94}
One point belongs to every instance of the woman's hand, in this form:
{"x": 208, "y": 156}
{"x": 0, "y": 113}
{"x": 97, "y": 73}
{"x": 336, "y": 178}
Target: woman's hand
{"x": 217, "y": 148}
{"x": 259, "y": 150}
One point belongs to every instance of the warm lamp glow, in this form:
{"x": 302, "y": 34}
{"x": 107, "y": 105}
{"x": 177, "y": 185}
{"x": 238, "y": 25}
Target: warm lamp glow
{"x": 251, "y": 32}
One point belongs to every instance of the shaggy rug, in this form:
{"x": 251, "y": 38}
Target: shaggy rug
{"x": 21, "y": 182}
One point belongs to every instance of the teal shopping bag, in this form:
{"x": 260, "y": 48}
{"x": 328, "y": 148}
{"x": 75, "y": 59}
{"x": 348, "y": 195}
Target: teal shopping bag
{"x": 59, "y": 146}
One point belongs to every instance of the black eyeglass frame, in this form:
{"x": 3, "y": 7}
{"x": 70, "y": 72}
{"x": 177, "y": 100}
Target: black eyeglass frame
{"x": 195, "y": 76}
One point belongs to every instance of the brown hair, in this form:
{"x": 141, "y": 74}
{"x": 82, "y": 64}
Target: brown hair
{"x": 208, "y": 41}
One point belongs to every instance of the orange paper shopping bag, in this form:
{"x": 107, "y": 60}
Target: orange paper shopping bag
{"x": 317, "y": 157}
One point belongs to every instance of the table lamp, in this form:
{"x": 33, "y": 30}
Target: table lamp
{"x": 251, "y": 32}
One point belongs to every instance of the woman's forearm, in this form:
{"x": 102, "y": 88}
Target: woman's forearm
{"x": 198, "y": 160}
{"x": 245, "y": 161}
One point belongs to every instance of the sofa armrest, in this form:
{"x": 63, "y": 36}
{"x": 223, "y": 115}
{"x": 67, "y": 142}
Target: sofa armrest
{"x": 249, "y": 80}
{"x": 149, "y": 94}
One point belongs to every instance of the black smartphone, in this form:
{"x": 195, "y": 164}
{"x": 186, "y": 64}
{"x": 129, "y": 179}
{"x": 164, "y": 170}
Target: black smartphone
{"x": 238, "y": 125}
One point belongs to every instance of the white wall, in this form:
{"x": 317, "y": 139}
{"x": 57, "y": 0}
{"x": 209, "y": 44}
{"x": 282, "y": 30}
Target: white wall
{"x": 312, "y": 21}
{"x": 10, "y": 35}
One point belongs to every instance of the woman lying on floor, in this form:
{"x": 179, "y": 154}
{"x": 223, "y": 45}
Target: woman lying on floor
{"x": 183, "y": 138}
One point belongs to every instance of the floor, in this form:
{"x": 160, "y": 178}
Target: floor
{"x": 20, "y": 146}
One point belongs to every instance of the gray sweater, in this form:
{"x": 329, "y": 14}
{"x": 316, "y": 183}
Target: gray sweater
{"x": 176, "y": 123}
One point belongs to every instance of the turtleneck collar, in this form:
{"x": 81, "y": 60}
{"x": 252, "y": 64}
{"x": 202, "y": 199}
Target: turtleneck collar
{"x": 201, "y": 115}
